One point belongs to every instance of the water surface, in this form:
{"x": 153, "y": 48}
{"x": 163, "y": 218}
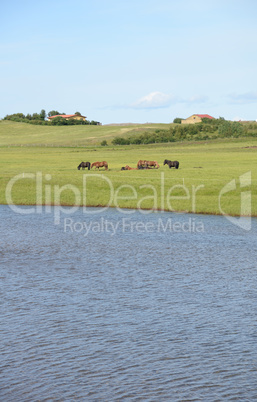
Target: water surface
{"x": 147, "y": 313}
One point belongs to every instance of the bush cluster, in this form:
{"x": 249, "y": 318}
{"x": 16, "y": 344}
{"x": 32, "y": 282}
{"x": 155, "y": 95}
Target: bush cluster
{"x": 40, "y": 119}
{"x": 231, "y": 129}
{"x": 211, "y": 129}
{"x": 59, "y": 121}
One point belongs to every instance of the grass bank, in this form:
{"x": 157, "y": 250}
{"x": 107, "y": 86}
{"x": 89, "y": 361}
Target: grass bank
{"x": 205, "y": 168}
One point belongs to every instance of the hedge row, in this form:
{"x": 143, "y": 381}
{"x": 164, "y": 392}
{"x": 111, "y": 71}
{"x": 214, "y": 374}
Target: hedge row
{"x": 57, "y": 121}
{"x": 40, "y": 119}
{"x": 197, "y": 132}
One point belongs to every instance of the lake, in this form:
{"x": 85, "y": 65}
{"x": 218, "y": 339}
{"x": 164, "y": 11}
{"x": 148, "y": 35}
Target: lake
{"x": 112, "y": 306}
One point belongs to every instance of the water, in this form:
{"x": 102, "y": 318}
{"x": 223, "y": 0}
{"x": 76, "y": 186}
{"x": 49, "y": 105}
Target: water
{"x": 161, "y": 313}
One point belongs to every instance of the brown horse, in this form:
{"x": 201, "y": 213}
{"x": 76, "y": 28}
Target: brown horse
{"x": 153, "y": 163}
{"x": 127, "y": 167}
{"x": 97, "y": 165}
{"x": 141, "y": 164}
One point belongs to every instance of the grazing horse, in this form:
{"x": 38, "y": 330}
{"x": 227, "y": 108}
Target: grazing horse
{"x": 97, "y": 165}
{"x": 83, "y": 165}
{"x": 171, "y": 164}
{"x": 141, "y": 164}
{"x": 153, "y": 163}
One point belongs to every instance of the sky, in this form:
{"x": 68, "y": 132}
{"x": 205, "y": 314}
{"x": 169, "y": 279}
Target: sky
{"x": 135, "y": 61}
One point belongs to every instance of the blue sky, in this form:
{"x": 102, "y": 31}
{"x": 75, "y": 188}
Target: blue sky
{"x": 129, "y": 61}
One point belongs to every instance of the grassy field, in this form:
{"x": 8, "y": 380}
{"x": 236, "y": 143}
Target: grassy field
{"x": 47, "y": 159}
{"x": 16, "y": 134}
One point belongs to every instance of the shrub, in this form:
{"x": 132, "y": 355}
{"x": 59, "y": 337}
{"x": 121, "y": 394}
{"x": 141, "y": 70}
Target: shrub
{"x": 104, "y": 143}
{"x": 177, "y": 120}
{"x": 59, "y": 121}
{"x": 135, "y": 140}
{"x": 120, "y": 141}
{"x": 39, "y": 118}
{"x": 230, "y": 129}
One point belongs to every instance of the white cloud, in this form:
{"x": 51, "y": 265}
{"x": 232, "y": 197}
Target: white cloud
{"x": 248, "y": 97}
{"x": 153, "y": 100}
{"x": 160, "y": 100}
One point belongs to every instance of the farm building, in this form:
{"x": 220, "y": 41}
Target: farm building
{"x": 196, "y": 118}
{"x": 68, "y": 117}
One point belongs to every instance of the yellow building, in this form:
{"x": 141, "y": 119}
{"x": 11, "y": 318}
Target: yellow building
{"x": 196, "y": 118}
{"x": 69, "y": 117}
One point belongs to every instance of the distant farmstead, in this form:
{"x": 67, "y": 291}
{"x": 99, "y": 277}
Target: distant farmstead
{"x": 196, "y": 118}
{"x": 68, "y": 117}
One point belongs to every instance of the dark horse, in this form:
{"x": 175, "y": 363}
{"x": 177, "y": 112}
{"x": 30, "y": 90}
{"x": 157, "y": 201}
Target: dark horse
{"x": 83, "y": 165}
{"x": 171, "y": 164}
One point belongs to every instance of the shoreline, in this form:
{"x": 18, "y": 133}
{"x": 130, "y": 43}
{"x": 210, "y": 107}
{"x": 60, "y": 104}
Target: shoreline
{"x": 136, "y": 209}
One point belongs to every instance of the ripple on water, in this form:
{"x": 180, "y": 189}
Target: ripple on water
{"x": 160, "y": 316}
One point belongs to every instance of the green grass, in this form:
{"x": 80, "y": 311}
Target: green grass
{"x": 205, "y": 168}
{"x": 18, "y": 134}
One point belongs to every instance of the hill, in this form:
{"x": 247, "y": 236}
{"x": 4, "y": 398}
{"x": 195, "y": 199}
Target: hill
{"x": 17, "y": 134}
{"x": 24, "y": 134}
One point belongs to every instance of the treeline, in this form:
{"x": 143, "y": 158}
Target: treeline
{"x": 211, "y": 129}
{"x": 40, "y": 119}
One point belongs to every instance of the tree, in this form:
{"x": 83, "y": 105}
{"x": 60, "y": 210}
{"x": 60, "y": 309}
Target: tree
{"x": 177, "y": 120}
{"x": 53, "y": 113}
{"x": 231, "y": 129}
{"x": 35, "y": 116}
{"x": 14, "y": 116}
{"x": 42, "y": 114}
{"x": 78, "y": 113}
{"x": 59, "y": 121}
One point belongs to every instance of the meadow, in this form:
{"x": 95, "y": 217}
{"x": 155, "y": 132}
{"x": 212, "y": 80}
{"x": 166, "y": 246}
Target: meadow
{"x": 46, "y": 160}
{"x": 22, "y": 134}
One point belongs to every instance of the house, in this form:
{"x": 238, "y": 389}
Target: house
{"x": 196, "y": 118}
{"x": 68, "y": 117}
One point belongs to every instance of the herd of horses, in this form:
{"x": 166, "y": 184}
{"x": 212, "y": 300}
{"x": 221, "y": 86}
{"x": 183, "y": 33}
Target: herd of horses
{"x": 141, "y": 164}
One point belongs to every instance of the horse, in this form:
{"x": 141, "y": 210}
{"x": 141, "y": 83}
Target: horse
{"x": 153, "y": 163}
{"x": 171, "y": 164}
{"x": 97, "y": 165}
{"x": 127, "y": 167}
{"x": 83, "y": 165}
{"x": 141, "y": 164}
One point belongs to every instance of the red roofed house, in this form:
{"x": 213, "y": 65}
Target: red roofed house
{"x": 196, "y": 118}
{"x": 68, "y": 117}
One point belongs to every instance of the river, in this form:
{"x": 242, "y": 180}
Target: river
{"x": 112, "y": 306}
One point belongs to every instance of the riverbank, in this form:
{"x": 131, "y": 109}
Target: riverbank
{"x": 214, "y": 177}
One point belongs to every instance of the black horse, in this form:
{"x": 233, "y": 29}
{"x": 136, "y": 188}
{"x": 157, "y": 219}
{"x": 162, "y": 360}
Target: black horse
{"x": 83, "y": 165}
{"x": 171, "y": 164}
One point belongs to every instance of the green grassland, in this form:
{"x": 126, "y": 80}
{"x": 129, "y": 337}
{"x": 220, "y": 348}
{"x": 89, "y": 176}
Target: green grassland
{"x": 15, "y": 134}
{"x": 52, "y": 155}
